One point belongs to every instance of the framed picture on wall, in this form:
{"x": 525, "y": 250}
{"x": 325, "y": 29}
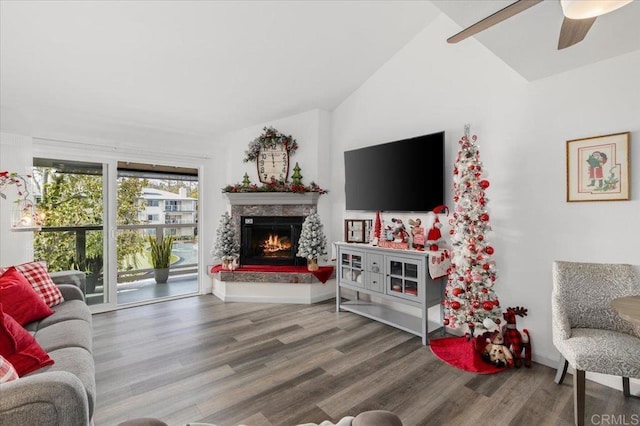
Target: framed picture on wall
{"x": 598, "y": 168}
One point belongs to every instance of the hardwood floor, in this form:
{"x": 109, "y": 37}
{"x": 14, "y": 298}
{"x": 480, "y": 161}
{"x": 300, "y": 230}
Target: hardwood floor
{"x": 200, "y": 360}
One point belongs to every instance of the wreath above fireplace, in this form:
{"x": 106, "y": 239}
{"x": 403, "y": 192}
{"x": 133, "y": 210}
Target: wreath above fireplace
{"x": 271, "y": 151}
{"x": 270, "y": 138}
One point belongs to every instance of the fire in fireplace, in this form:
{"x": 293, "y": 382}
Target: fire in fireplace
{"x": 270, "y": 240}
{"x": 276, "y": 246}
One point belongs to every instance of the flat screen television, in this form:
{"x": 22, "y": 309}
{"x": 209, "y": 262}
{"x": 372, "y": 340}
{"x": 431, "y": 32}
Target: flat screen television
{"x": 401, "y": 176}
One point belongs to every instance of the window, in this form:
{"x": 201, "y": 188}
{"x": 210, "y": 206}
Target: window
{"x": 171, "y": 205}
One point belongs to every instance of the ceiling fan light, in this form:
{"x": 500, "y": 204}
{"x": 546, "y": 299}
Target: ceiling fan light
{"x": 583, "y": 9}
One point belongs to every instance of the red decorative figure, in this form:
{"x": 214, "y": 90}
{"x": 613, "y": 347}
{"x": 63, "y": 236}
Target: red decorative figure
{"x": 377, "y": 229}
{"x": 417, "y": 231}
{"x": 515, "y": 340}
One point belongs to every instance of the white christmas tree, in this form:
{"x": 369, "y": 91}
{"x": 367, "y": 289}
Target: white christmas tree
{"x": 469, "y": 296}
{"x": 227, "y": 246}
{"x": 312, "y": 243}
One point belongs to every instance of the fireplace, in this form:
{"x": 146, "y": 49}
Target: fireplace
{"x": 270, "y": 240}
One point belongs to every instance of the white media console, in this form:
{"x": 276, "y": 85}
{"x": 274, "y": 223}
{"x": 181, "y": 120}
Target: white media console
{"x": 390, "y": 277}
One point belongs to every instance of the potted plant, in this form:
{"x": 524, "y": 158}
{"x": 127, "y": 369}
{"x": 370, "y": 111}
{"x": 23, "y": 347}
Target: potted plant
{"x": 312, "y": 243}
{"x": 161, "y": 256}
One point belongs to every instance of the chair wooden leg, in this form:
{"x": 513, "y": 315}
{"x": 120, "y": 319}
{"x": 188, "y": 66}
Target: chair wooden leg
{"x": 578, "y": 396}
{"x": 626, "y": 389}
{"x": 562, "y": 370}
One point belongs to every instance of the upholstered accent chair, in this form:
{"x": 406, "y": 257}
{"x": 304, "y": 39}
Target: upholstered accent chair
{"x": 589, "y": 335}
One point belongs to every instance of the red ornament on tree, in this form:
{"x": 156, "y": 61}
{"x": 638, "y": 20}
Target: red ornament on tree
{"x": 488, "y": 250}
{"x": 484, "y": 184}
{"x": 487, "y": 306}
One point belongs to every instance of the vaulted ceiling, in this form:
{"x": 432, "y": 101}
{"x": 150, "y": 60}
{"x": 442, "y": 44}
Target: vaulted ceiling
{"x": 138, "y": 70}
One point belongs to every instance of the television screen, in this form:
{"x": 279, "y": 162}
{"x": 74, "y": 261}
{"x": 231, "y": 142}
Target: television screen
{"x": 401, "y": 176}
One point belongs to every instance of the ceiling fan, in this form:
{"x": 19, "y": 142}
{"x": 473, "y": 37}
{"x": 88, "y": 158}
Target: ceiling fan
{"x": 579, "y": 16}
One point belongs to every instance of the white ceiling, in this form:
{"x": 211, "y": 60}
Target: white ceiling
{"x": 133, "y": 71}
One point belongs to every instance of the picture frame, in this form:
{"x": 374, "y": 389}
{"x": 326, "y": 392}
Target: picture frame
{"x": 357, "y": 230}
{"x": 598, "y": 168}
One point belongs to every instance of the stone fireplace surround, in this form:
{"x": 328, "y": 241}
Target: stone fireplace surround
{"x": 271, "y": 287}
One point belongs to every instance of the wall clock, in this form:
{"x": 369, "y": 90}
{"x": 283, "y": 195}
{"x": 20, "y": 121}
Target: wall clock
{"x": 273, "y": 163}
{"x": 271, "y": 151}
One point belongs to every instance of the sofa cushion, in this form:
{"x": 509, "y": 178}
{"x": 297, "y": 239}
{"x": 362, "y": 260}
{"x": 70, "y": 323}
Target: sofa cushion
{"x": 20, "y": 300}
{"x": 7, "y": 372}
{"x": 38, "y": 276}
{"x": 20, "y": 347}
{"x": 78, "y": 362}
{"x": 69, "y": 310}
{"x": 71, "y": 333}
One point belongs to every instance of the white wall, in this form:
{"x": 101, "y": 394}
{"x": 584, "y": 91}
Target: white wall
{"x": 522, "y": 128}
{"x": 15, "y": 156}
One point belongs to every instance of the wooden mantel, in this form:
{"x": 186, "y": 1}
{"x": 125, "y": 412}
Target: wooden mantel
{"x": 272, "y": 198}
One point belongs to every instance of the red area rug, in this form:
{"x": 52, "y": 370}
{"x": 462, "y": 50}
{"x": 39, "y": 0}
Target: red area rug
{"x": 322, "y": 274}
{"x": 460, "y": 353}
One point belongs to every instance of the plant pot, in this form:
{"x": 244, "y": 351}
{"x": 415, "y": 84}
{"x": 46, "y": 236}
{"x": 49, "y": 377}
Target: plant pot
{"x": 312, "y": 265}
{"x": 161, "y": 275}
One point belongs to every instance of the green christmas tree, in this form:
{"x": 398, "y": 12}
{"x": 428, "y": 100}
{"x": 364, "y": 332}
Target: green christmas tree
{"x": 227, "y": 246}
{"x": 297, "y": 177}
{"x": 469, "y": 296}
{"x": 312, "y": 243}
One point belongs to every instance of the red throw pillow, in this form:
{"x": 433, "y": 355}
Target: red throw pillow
{"x": 7, "y": 372}
{"x": 19, "y": 347}
{"x": 38, "y": 276}
{"x": 20, "y": 300}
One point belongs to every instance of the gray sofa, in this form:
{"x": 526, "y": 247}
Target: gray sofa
{"x": 62, "y": 394}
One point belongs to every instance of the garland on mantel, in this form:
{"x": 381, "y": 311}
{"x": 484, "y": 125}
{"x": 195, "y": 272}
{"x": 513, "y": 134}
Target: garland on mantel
{"x": 275, "y": 186}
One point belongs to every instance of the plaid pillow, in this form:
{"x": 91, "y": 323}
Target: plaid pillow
{"x": 38, "y": 275}
{"x": 7, "y": 372}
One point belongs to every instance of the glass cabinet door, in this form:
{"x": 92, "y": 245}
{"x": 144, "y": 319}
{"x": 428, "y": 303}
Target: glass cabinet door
{"x": 403, "y": 277}
{"x": 351, "y": 268}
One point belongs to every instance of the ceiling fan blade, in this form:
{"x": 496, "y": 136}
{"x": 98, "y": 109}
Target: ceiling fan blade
{"x": 506, "y": 13}
{"x": 573, "y": 31}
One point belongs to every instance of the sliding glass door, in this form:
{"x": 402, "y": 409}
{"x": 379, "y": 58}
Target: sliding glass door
{"x": 156, "y": 203}
{"x": 72, "y": 196}
{"x": 101, "y": 218}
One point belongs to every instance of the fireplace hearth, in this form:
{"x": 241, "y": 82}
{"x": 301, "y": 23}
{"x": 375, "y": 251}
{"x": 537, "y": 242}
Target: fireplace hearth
{"x": 270, "y": 240}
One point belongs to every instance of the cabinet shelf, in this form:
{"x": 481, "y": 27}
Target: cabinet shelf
{"x": 383, "y": 314}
